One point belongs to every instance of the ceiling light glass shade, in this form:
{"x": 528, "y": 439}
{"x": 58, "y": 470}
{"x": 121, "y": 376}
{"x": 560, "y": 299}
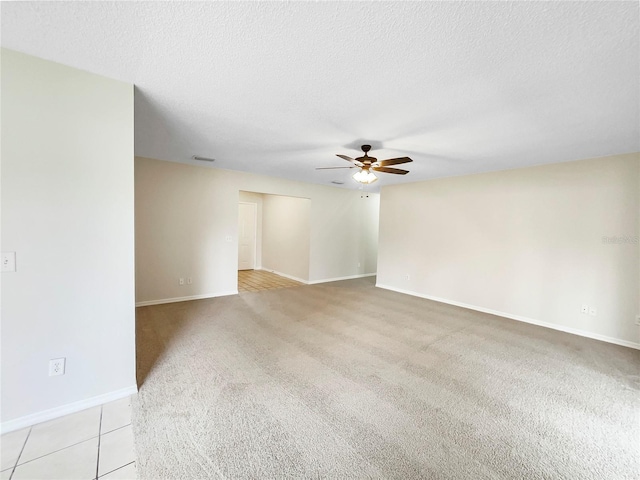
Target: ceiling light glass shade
{"x": 364, "y": 176}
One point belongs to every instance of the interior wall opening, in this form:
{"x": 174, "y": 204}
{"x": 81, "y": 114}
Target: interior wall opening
{"x": 274, "y": 234}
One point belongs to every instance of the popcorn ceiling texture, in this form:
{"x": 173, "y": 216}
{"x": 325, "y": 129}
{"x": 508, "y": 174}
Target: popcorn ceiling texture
{"x": 279, "y": 88}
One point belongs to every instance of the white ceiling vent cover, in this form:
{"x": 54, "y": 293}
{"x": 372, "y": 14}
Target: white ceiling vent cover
{"x": 203, "y": 159}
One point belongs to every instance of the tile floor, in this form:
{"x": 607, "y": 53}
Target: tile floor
{"x": 93, "y": 443}
{"x": 255, "y": 280}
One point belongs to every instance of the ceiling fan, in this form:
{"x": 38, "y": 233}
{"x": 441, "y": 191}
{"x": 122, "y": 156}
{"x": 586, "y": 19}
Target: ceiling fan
{"x": 366, "y": 164}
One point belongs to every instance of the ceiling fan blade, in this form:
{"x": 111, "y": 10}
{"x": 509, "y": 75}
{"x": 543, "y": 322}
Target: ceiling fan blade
{"x": 394, "y": 161}
{"x": 349, "y": 159}
{"x": 332, "y": 168}
{"x": 397, "y": 171}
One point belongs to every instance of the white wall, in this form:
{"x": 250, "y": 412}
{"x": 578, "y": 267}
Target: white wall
{"x": 344, "y": 233}
{"x": 67, "y": 210}
{"x": 369, "y": 225}
{"x": 185, "y": 213}
{"x": 526, "y": 243}
{"x": 286, "y": 235}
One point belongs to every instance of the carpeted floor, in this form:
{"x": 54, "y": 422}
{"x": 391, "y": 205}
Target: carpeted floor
{"x": 344, "y": 380}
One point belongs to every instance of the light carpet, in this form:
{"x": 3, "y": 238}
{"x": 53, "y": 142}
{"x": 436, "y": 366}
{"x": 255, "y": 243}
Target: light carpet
{"x": 345, "y": 380}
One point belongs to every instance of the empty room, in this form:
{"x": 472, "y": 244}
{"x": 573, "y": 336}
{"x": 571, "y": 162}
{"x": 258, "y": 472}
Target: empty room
{"x": 320, "y": 240}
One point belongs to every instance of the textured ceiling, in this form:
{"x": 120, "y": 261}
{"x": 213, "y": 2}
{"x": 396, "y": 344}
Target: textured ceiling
{"x": 280, "y": 88}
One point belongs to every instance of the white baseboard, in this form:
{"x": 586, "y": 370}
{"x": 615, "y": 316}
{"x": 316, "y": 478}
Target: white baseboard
{"x": 324, "y": 280}
{"x": 45, "y": 415}
{"x": 519, "y": 318}
{"x": 290, "y": 277}
{"x": 337, "y": 279}
{"x": 185, "y": 299}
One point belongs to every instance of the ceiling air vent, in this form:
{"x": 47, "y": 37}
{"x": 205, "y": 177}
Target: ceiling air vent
{"x": 203, "y": 159}
{"x": 337, "y": 182}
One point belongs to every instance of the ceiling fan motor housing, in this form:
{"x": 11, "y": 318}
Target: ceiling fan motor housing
{"x": 366, "y": 159}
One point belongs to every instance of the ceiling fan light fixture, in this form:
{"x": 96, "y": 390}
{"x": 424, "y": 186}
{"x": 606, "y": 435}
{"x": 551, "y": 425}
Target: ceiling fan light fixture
{"x": 364, "y": 176}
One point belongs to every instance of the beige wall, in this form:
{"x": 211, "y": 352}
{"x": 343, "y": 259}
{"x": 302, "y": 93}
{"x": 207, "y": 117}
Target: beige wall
{"x": 285, "y": 235}
{"x": 184, "y": 215}
{"x": 67, "y": 210}
{"x": 525, "y": 243}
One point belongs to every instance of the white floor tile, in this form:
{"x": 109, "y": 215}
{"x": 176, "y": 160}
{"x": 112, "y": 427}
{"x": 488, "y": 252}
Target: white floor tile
{"x": 116, "y": 449}
{"x": 10, "y": 447}
{"x": 116, "y": 414}
{"x": 127, "y": 472}
{"x": 60, "y": 433}
{"x": 73, "y": 463}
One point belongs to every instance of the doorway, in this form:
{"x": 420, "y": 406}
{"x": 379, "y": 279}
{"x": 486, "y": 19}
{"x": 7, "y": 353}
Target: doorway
{"x": 247, "y": 230}
{"x": 273, "y": 240}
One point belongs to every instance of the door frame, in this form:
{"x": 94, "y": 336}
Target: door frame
{"x": 255, "y": 232}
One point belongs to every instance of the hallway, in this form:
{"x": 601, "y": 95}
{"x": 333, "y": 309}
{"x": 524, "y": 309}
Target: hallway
{"x": 256, "y": 280}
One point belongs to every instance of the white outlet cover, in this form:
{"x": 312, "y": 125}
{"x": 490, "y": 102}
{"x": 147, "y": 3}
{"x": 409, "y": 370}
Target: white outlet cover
{"x": 593, "y": 312}
{"x": 585, "y": 309}
{"x": 56, "y": 367}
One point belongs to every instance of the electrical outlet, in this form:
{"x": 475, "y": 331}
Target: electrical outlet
{"x": 181, "y": 281}
{"x": 407, "y": 277}
{"x": 593, "y": 311}
{"x": 585, "y": 309}
{"x": 189, "y": 281}
{"x": 56, "y": 367}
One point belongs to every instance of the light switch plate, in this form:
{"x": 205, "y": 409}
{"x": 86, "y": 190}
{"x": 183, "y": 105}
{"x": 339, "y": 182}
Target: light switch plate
{"x": 8, "y": 261}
